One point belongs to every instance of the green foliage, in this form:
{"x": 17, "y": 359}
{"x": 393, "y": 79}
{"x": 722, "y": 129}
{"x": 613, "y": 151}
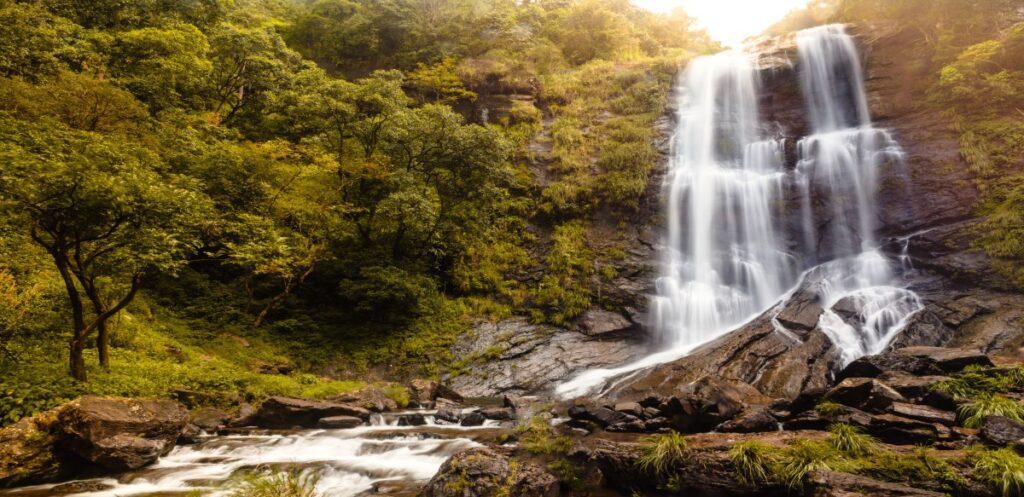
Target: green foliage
{"x": 803, "y": 457}
{"x": 660, "y": 454}
{"x": 828, "y": 408}
{"x": 850, "y": 440}
{"x": 1001, "y": 470}
{"x": 972, "y": 413}
{"x": 293, "y": 483}
{"x": 752, "y": 461}
{"x": 538, "y": 437}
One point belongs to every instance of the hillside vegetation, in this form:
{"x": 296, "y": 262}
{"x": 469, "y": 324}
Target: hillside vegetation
{"x": 203, "y": 194}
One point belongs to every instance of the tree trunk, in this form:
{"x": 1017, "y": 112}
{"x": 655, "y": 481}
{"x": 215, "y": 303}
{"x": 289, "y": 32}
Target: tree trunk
{"x": 103, "y": 344}
{"x": 77, "y": 361}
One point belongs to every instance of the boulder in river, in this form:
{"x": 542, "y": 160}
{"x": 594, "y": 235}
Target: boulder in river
{"x": 27, "y": 451}
{"x": 484, "y": 472}
{"x": 339, "y": 422}
{"x": 120, "y": 434}
{"x": 371, "y": 398}
{"x": 286, "y": 412}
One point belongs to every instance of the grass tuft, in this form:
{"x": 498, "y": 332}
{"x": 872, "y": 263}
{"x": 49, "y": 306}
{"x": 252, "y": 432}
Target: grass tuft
{"x": 291, "y": 483}
{"x": 973, "y": 412}
{"x": 662, "y": 453}
{"x": 752, "y": 461}
{"x": 850, "y": 440}
{"x": 1001, "y": 470}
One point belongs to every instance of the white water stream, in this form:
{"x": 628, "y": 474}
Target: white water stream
{"x": 727, "y": 257}
{"x": 348, "y": 462}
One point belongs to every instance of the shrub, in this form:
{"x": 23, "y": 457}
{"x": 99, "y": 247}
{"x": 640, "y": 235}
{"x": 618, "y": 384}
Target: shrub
{"x": 536, "y": 436}
{"x": 662, "y": 453}
{"x": 973, "y": 412}
{"x": 1001, "y": 470}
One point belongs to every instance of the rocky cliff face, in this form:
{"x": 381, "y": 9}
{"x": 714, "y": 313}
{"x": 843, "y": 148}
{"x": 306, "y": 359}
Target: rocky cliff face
{"x": 926, "y": 212}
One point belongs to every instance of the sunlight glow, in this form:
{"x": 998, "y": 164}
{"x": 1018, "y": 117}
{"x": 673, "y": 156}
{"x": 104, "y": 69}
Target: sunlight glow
{"x": 729, "y": 21}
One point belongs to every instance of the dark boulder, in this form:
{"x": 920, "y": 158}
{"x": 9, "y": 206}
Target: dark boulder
{"x": 751, "y": 420}
{"x": 801, "y": 312}
{"x": 473, "y": 419}
{"x": 498, "y": 414}
{"x": 286, "y": 412}
{"x": 246, "y": 416}
{"x": 602, "y": 416}
{"x": 1000, "y": 430}
{"x": 631, "y": 408}
{"x": 421, "y": 392}
{"x": 445, "y": 392}
{"x": 210, "y": 419}
{"x": 711, "y": 401}
{"x": 448, "y": 416}
{"x": 484, "y": 472}
{"x": 415, "y": 419}
{"x": 920, "y": 361}
{"x": 866, "y": 394}
{"x": 339, "y": 422}
{"x": 908, "y": 385}
{"x": 898, "y": 430}
{"x": 632, "y": 426}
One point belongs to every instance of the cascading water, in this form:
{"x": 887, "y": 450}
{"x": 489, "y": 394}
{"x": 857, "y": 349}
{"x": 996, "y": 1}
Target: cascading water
{"x": 840, "y": 162}
{"x": 725, "y": 259}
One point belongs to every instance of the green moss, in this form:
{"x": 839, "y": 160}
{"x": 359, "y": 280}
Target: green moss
{"x": 1001, "y": 470}
{"x": 538, "y": 437}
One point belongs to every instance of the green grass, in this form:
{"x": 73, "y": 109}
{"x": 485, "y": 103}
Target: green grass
{"x": 972, "y": 413}
{"x": 828, "y": 408}
{"x": 1001, "y": 470}
{"x": 803, "y": 457}
{"x": 851, "y": 441}
{"x": 292, "y": 483}
{"x": 752, "y": 461}
{"x": 662, "y": 453}
{"x": 538, "y": 437}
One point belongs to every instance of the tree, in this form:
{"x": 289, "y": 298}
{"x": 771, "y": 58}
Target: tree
{"x": 439, "y": 82}
{"x": 102, "y": 212}
{"x": 164, "y": 67}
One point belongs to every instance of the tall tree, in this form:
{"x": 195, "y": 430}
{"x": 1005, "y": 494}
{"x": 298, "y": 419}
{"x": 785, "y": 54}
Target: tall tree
{"x": 102, "y": 212}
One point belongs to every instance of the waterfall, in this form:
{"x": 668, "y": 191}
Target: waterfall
{"x": 728, "y": 256}
{"x": 724, "y": 261}
{"x": 839, "y": 161}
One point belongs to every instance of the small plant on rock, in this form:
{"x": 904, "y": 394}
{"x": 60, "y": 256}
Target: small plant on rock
{"x": 662, "y": 453}
{"x": 1001, "y": 470}
{"x": 850, "y": 440}
{"x": 827, "y": 408}
{"x": 973, "y": 412}
{"x": 752, "y": 461}
{"x": 538, "y": 437}
{"x": 803, "y": 457}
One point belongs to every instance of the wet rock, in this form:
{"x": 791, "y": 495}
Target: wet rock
{"x": 27, "y": 452}
{"x": 602, "y": 324}
{"x": 210, "y": 418}
{"x": 1000, "y": 430}
{"x": 657, "y": 424}
{"x": 341, "y": 422}
{"x": 908, "y": 385}
{"x": 473, "y": 419}
{"x": 497, "y": 413}
{"x": 484, "y": 472}
{"x": 446, "y": 392}
{"x": 923, "y": 413}
{"x": 711, "y": 401}
{"x": 121, "y": 434}
{"x": 421, "y": 392}
{"x": 415, "y": 419}
{"x": 370, "y": 398}
{"x": 825, "y": 483}
{"x": 920, "y": 361}
{"x": 532, "y": 358}
{"x": 751, "y": 420}
{"x": 190, "y": 434}
{"x": 449, "y": 416}
{"x": 81, "y": 487}
{"x": 246, "y": 416}
{"x": 866, "y": 394}
{"x": 631, "y": 426}
{"x": 631, "y": 408}
{"x": 602, "y": 416}
{"x": 801, "y": 312}
{"x": 286, "y": 412}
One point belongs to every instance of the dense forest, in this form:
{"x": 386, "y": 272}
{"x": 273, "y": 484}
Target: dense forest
{"x": 201, "y": 189}
{"x": 420, "y": 218}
